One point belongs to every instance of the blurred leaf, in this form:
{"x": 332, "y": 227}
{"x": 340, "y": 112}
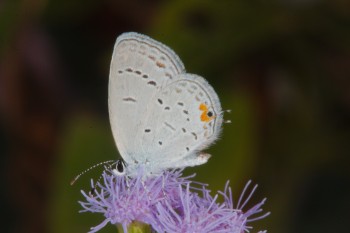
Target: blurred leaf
{"x": 87, "y": 141}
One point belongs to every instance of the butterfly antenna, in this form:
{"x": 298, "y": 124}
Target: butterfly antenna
{"x": 92, "y": 191}
{"x": 89, "y": 169}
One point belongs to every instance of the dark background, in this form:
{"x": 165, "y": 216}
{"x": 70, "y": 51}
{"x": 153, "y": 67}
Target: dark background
{"x": 281, "y": 66}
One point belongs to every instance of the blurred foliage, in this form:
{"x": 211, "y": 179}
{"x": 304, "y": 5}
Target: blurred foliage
{"x": 281, "y": 66}
{"x": 84, "y": 138}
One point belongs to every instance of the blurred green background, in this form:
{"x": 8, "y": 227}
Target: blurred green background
{"x": 281, "y": 66}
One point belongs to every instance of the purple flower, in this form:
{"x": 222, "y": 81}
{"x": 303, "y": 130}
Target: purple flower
{"x": 192, "y": 213}
{"x": 169, "y": 203}
{"x": 240, "y": 222}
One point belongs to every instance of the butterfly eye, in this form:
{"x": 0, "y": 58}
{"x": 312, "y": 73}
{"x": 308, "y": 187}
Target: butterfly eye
{"x": 119, "y": 168}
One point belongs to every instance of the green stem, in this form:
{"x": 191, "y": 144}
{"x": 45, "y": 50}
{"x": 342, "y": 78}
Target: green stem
{"x": 136, "y": 227}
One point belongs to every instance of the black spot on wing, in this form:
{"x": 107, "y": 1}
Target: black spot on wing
{"x": 168, "y": 75}
{"x": 129, "y": 99}
{"x": 169, "y": 126}
{"x": 195, "y": 135}
{"x": 153, "y": 83}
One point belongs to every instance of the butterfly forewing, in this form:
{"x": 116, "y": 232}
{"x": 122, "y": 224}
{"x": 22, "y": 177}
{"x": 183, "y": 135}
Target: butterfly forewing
{"x": 140, "y": 68}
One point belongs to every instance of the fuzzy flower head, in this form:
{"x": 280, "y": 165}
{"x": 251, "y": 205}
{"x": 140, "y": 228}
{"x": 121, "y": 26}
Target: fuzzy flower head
{"x": 168, "y": 203}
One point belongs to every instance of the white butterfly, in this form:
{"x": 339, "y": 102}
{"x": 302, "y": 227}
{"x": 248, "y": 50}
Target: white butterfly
{"x": 161, "y": 116}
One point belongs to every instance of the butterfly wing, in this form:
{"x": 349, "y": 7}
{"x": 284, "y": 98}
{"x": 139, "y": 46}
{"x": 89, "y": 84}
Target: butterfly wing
{"x": 186, "y": 118}
{"x": 140, "y": 68}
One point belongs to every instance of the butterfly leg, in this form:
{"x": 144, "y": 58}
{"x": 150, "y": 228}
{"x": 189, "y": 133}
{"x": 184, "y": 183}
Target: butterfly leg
{"x": 146, "y": 189}
{"x": 163, "y": 187}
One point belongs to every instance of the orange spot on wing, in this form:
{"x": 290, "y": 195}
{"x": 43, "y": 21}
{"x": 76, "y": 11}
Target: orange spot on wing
{"x": 204, "y": 115}
{"x": 159, "y": 64}
{"x": 203, "y": 107}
